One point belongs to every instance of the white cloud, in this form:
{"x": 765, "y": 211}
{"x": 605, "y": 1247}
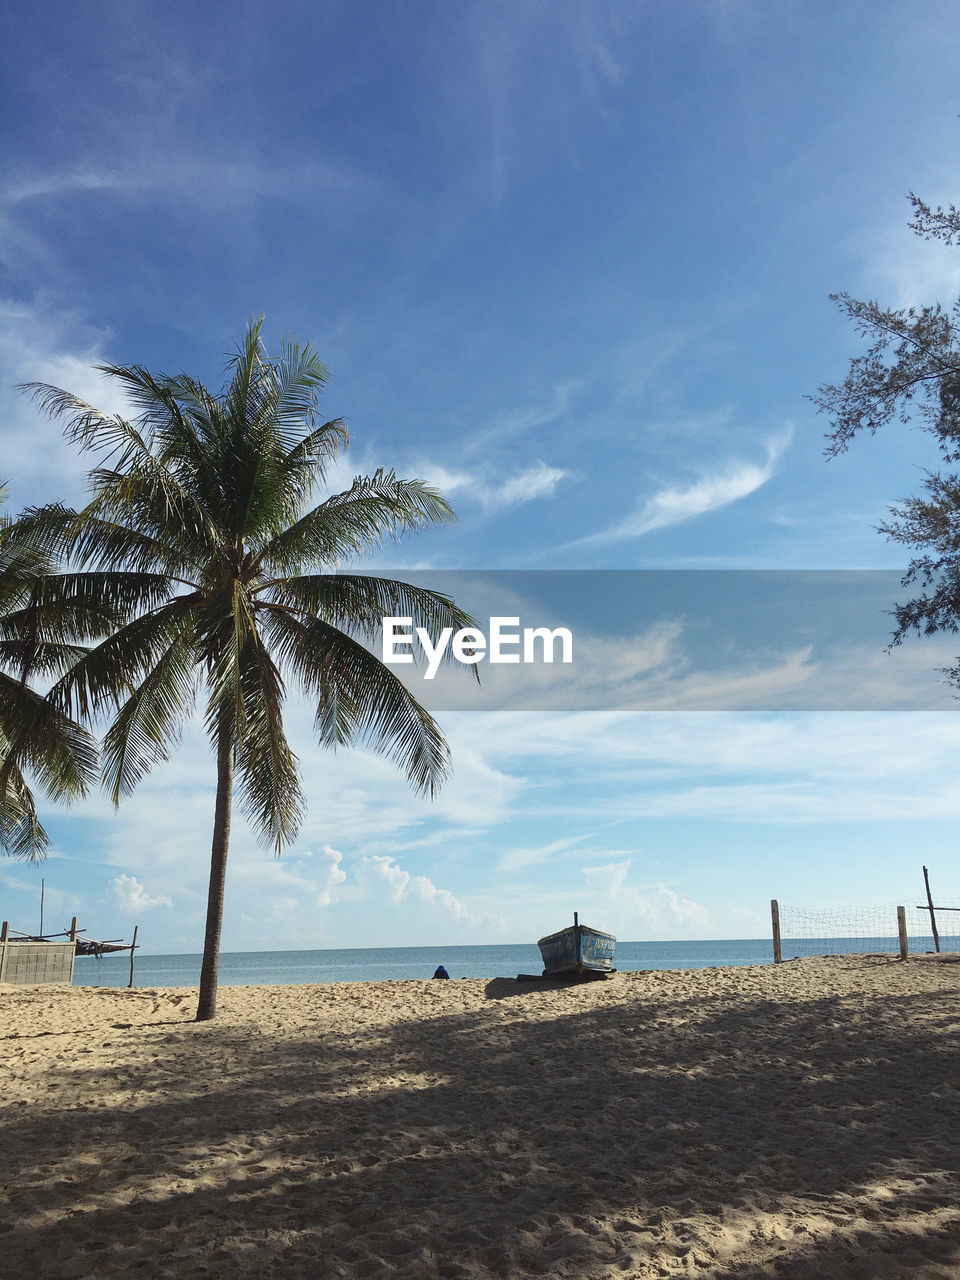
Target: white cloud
{"x": 539, "y": 480}
{"x": 427, "y": 891}
{"x": 291, "y": 882}
{"x": 480, "y": 483}
{"x": 128, "y": 894}
{"x": 661, "y": 668}
{"x": 523, "y": 771}
{"x": 608, "y": 895}
{"x": 41, "y": 344}
{"x": 916, "y": 273}
{"x": 481, "y": 488}
{"x": 380, "y": 871}
{"x": 728, "y": 767}
{"x": 377, "y": 872}
{"x": 676, "y": 504}
{"x": 901, "y": 268}
{"x": 655, "y": 905}
{"x": 335, "y": 875}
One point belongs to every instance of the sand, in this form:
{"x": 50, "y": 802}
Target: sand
{"x": 800, "y": 1120}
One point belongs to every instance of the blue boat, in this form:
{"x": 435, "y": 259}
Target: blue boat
{"x": 578, "y": 949}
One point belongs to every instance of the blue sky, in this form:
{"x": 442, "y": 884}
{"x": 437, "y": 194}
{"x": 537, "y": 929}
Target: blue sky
{"x": 571, "y": 263}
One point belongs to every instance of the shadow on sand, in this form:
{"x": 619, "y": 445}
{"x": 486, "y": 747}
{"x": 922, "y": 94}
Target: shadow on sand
{"x": 632, "y": 1139}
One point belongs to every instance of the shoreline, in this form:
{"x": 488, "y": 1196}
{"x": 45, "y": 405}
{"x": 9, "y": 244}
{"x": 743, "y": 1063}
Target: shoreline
{"x": 300, "y": 966}
{"x": 789, "y": 1119}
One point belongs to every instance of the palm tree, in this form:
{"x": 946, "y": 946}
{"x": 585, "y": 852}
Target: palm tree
{"x": 41, "y": 620}
{"x": 203, "y": 501}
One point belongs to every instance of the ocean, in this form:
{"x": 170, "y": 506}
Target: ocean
{"x": 375, "y": 964}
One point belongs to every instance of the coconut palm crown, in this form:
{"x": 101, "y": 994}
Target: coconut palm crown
{"x": 204, "y": 503}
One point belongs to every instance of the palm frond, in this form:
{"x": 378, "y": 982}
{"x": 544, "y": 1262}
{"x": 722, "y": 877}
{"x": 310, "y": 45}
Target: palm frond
{"x": 305, "y": 465}
{"x": 245, "y": 701}
{"x": 22, "y": 834}
{"x": 153, "y": 504}
{"x": 40, "y": 736}
{"x": 358, "y": 603}
{"x": 88, "y": 426}
{"x": 374, "y": 509}
{"x": 266, "y": 766}
{"x": 86, "y": 537}
{"x": 38, "y": 658}
{"x": 273, "y": 405}
{"x": 360, "y": 699}
{"x": 107, "y": 673}
{"x": 151, "y": 720}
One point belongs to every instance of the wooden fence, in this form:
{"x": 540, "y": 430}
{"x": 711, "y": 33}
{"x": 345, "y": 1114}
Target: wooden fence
{"x": 23, "y": 962}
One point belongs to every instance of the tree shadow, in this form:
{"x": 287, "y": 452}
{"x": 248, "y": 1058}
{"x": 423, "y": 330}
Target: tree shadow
{"x": 798, "y": 1138}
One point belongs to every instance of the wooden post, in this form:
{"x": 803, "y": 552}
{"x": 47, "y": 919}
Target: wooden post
{"x": 4, "y": 931}
{"x": 133, "y": 949}
{"x": 41, "y": 907}
{"x": 775, "y": 919}
{"x": 73, "y": 930}
{"x": 902, "y": 931}
{"x": 933, "y": 918}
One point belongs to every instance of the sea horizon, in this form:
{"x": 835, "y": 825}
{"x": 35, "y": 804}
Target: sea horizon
{"x": 378, "y": 964}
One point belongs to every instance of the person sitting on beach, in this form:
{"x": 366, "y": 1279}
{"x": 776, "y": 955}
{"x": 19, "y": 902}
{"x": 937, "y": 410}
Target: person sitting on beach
{"x": 441, "y": 972}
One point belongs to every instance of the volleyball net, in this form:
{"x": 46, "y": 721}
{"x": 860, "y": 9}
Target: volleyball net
{"x": 863, "y": 930}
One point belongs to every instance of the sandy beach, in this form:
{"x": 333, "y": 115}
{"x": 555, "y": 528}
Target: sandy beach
{"x": 800, "y": 1120}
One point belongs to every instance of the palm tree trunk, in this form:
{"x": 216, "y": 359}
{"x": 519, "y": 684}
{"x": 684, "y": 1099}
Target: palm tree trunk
{"x": 207, "y": 1006}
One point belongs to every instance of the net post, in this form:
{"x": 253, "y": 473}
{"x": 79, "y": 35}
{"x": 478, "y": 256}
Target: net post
{"x": 933, "y": 918}
{"x": 775, "y": 921}
{"x": 902, "y": 931}
{"x": 133, "y": 949}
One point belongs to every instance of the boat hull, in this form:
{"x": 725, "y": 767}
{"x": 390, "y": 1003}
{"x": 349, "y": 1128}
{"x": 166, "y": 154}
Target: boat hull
{"x": 577, "y": 949}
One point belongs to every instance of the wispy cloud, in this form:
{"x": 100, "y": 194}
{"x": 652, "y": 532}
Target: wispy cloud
{"x": 510, "y": 423}
{"x": 517, "y": 859}
{"x": 676, "y": 504}
{"x": 202, "y": 180}
{"x": 539, "y": 480}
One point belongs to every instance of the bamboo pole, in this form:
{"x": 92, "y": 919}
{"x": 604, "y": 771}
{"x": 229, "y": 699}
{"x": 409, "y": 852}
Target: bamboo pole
{"x": 775, "y": 920}
{"x": 902, "y": 931}
{"x": 133, "y": 949}
{"x": 933, "y": 918}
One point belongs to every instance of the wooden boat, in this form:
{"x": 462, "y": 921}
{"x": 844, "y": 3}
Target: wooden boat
{"x": 578, "y": 949}
{"x": 89, "y": 947}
